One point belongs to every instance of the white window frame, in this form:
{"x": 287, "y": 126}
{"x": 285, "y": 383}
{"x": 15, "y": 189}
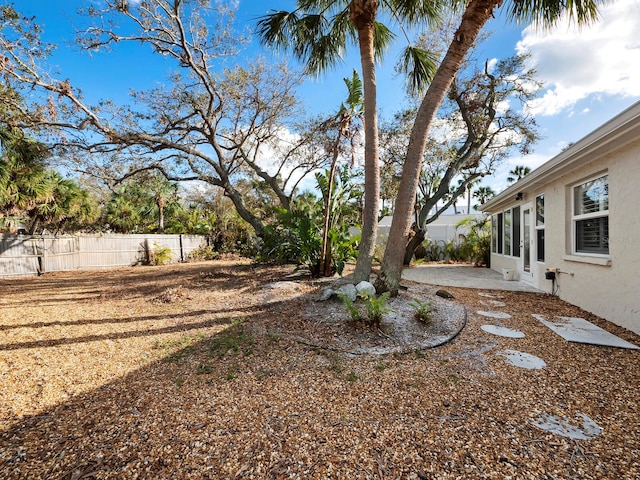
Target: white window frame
{"x": 586, "y": 216}
{"x": 508, "y": 228}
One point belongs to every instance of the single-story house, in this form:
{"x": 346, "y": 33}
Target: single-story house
{"x": 572, "y": 226}
{"x": 441, "y": 230}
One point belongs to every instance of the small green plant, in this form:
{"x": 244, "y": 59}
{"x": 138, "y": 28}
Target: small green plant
{"x": 205, "y": 252}
{"x": 180, "y": 349}
{"x": 352, "y": 377}
{"x": 233, "y": 339}
{"x": 160, "y": 255}
{"x": 381, "y": 366}
{"x": 376, "y": 307}
{"x": 204, "y": 369}
{"x": 423, "y": 310}
{"x": 352, "y": 309}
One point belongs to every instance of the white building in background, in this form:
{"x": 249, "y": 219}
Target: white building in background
{"x": 442, "y": 230}
{"x": 572, "y": 226}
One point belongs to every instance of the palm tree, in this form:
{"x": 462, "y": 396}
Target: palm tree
{"x": 22, "y": 172}
{"x": 475, "y": 16}
{"x": 518, "y": 173}
{"x": 349, "y": 112}
{"x": 469, "y": 187}
{"x": 318, "y": 32}
{"x": 483, "y": 194}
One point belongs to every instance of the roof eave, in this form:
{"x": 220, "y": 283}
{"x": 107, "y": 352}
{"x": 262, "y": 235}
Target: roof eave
{"x": 614, "y": 134}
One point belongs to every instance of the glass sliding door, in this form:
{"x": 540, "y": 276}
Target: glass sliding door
{"x": 526, "y": 243}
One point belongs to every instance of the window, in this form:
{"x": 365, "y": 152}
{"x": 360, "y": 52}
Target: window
{"x": 540, "y": 228}
{"x": 500, "y": 235}
{"x": 591, "y": 216}
{"x": 516, "y": 231}
{"x": 507, "y": 232}
{"x": 494, "y": 234}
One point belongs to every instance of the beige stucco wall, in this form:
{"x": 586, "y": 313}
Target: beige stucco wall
{"x": 612, "y": 290}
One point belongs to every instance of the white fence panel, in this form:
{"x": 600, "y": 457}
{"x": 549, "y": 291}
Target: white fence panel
{"x": 18, "y": 256}
{"x": 22, "y": 255}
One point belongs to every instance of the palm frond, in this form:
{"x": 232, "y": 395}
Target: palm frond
{"x": 355, "y": 98}
{"x": 382, "y": 38}
{"x": 419, "y": 66}
{"x": 547, "y": 13}
{"x": 415, "y": 12}
{"x": 275, "y": 29}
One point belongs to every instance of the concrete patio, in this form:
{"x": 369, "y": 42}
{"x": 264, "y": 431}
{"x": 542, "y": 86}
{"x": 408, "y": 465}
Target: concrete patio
{"x": 468, "y": 276}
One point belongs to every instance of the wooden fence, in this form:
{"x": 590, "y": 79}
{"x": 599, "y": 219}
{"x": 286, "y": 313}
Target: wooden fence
{"x": 24, "y": 255}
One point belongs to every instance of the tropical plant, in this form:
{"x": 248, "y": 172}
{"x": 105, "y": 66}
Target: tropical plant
{"x": 482, "y": 194}
{"x": 476, "y": 246}
{"x": 423, "y": 310}
{"x": 318, "y": 32}
{"x": 160, "y": 255}
{"x": 205, "y": 252}
{"x": 518, "y": 173}
{"x": 476, "y": 14}
{"x": 348, "y": 114}
{"x": 355, "y": 313}
{"x": 22, "y": 172}
{"x": 375, "y": 306}
{"x": 469, "y": 184}
{"x": 340, "y": 192}
{"x": 67, "y": 205}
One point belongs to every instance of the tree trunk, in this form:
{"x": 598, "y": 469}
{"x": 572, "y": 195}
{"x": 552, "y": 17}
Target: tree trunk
{"x": 477, "y": 13}
{"x": 363, "y": 14}
{"x": 325, "y": 253}
{"x": 160, "y": 204}
{"x": 244, "y": 213}
{"x": 416, "y": 239}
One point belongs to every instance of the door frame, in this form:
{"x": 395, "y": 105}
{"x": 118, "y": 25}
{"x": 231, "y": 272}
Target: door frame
{"x": 527, "y": 236}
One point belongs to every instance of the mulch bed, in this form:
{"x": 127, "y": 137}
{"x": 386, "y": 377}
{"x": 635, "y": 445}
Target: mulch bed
{"x": 196, "y": 371}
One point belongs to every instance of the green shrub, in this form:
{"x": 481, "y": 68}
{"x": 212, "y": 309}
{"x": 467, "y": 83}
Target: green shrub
{"x": 376, "y": 307}
{"x": 354, "y": 312}
{"x": 423, "y": 310}
{"x": 205, "y": 252}
{"x": 476, "y": 247}
{"x": 160, "y": 255}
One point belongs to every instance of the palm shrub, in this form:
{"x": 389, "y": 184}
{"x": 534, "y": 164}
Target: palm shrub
{"x": 476, "y": 247}
{"x": 355, "y": 313}
{"x": 423, "y": 310}
{"x": 376, "y": 307}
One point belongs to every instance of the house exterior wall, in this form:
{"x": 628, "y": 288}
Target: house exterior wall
{"x": 604, "y": 285}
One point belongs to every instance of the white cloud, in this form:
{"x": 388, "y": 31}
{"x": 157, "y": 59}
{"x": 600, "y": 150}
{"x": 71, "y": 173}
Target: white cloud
{"x": 575, "y": 62}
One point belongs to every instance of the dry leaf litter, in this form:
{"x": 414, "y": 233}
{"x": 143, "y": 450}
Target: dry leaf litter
{"x": 226, "y": 370}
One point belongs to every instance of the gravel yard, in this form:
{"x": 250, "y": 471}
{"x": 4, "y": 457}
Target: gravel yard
{"x": 206, "y": 370}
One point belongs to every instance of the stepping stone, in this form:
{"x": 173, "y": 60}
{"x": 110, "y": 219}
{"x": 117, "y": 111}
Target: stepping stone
{"x": 562, "y": 426}
{"x": 523, "y": 360}
{"x": 581, "y": 331}
{"x": 486, "y": 295}
{"x": 502, "y": 331}
{"x": 493, "y": 314}
{"x": 493, "y": 303}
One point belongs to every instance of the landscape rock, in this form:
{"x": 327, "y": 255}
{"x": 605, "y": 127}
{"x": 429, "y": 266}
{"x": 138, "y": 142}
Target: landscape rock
{"x": 366, "y": 288}
{"x": 348, "y": 291}
{"x": 325, "y": 294}
{"x": 444, "y": 294}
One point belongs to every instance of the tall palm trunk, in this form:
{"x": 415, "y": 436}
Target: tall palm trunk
{"x": 477, "y": 13}
{"x": 160, "y": 204}
{"x": 363, "y": 14}
{"x": 325, "y": 253}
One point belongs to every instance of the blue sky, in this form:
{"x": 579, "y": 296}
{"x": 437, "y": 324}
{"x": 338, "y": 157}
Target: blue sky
{"x": 591, "y": 74}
